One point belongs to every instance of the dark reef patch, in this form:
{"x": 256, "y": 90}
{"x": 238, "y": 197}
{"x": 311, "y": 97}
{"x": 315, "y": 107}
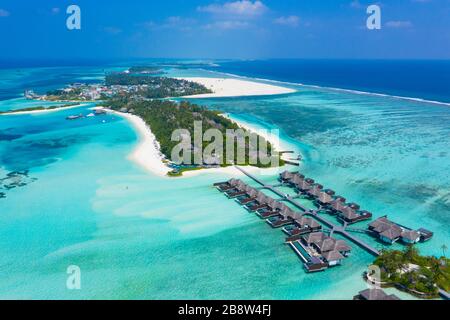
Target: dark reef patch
{"x": 8, "y": 135}
{"x": 14, "y": 179}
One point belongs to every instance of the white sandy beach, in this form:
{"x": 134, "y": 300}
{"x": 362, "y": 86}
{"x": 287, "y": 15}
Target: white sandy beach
{"x": 273, "y": 139}
{"x": 146, "y": 154}
{"x": 225, "y": 87}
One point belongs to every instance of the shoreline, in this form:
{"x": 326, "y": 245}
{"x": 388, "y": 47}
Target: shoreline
{"x": 228, "y": 87}
{"x": 337, "y": 89}
{"x": 147, "y": 155}
{"x": 42, "y": 110}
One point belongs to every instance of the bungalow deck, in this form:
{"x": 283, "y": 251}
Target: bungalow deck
{"x": 295, "y": 233}
{"x": 278, "y": 222}
{"x": 358, "y": 217}
{"x": 390, "y": 232}
{"x": 310, "y": 263}
{"x": 254, "y": 207}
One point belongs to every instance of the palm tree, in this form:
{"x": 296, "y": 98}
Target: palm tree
{"x": 444, "y": 248}
{"x": 410, "y": 253}
{"x": 436, "y": 269}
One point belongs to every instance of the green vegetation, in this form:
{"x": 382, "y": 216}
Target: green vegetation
{"x": 156, "y": 87}
{"x": 61, "y": 95}
{"x": 164, "y": 117}
{"x": 38, "y": 108}
{"x": 410, "y": 270}
{"x": 139, "y": 92}
{"x": 179, "y": 172}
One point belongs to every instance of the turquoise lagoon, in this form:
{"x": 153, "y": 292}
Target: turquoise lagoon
{"x": 138, "y": 236}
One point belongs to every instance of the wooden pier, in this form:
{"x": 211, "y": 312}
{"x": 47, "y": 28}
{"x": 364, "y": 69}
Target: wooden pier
{"x": 334, "y": 228}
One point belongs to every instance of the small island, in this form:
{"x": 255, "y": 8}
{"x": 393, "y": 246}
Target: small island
{"x": 411, "y": 272}
{"x": 38, "y": 109}
{"x": 140, "y": 91}
{"x": 165, "y": 117}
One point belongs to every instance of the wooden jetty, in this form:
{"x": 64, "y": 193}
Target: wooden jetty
{"x": 337, "y": 229}
{"x": 235, "y": 188}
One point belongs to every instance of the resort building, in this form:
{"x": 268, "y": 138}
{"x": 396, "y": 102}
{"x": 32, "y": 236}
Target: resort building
{"x": 390, "y": 232}
{"x": 314, "y": 192}
{"x": 324, "y": 198}
{"x": 333, "y": 251}
{"x": 374, "y": 294}
{"x": 301, "y": 226}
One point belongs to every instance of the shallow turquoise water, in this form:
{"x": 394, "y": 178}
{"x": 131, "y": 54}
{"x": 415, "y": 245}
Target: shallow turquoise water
{"x": 138, "y": 236}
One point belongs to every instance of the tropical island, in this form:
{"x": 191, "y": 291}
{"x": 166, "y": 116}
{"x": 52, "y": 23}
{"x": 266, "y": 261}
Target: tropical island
{"x": 409, "y": 271}
{"x": 141, "y": 92}
{"x": 165, "y": 117}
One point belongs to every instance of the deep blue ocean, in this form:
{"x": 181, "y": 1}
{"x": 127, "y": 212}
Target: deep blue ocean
{"x": 423, "y": 79}
{"x": 79, "y": 199}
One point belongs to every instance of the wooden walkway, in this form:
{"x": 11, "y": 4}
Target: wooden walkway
{"x": 334, "y": 228}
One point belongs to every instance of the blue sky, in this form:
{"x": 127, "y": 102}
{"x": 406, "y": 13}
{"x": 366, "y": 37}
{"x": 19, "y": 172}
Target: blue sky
{"x": 411, "y": 29}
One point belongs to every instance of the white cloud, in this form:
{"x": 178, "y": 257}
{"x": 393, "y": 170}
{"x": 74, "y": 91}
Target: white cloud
{"x": 174, "y": 22}
{"x": 226, "y": 25}
{"x": 4, "y": 13}
{"x": 291, "y": 21}
{"x": 399, "y": 24}
{"x": 243, "y": 8}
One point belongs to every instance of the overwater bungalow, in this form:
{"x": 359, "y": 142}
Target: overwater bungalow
{"x": 354, "y": 206}
{"x": 225, "y": 186}
{"x": 286, "y": 177}
{"x": 333, "y": 258}
{"x": 314, "y": 191}
{"x": 286, "y": 216}
{"x": 350, "y": 215}
{"x": 315, "y": 264}
{"x": 250, "y": 195}
{"x": 272, "y": 209}
{"x": 390, "y": 232}
{"x": 304, "y": 185}
{"x": 237, "y": 191}
{"x": 311, "y": 263}
{"x": 260, "y": 202}
{"x": 337, "y": 205}
{"x": 391, "y": 235}
{"x": 324, "y": 199}
{"x": 297, "y": 179}
{"x": 330, "y": 250}
{"x": 375, "y": 294}
{"x": 410, "y": 236}
{"x": 301, "y": 226}
{"x": 323, "y": 243}
{"x": 425, "y": 234}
